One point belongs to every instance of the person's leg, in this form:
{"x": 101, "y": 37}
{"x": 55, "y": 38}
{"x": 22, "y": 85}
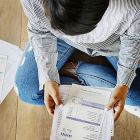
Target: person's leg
{"x": 113, "y": 61}
{"x": 68, "y": 80}
{"x": 101, "y": 76}
{"x": 64, "y": 53}
{"x": 26, "y": 81}
{"x": 96, "y": 75}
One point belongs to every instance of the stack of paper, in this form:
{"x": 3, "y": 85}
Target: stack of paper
{"x": 10, "y": 57}
{"x": 3, "y": 62}
{"x": 83, "y": 115}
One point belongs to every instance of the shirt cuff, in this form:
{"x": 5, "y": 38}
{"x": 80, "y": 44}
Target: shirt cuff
{"x": 125, "y": 76}
{"x": 44, "y": 79}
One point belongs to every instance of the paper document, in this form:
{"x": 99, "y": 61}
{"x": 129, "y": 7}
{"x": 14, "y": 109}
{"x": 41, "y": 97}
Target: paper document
{"x": 10, "y": 58}
{"x": 107, "y": 129}
{"x": 82, "y": 115}
{"x": 3, "y": 62}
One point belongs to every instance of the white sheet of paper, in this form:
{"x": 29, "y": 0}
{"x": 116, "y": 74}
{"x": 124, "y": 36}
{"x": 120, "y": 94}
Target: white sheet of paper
{"x": 14, "y": 55}
{"x": 106, "y": 130}
{"x": 3, "y": 61}
{"x": 64, "y": 92}
{"x": 59, "y": 112}
{"x": 83, "y": 113}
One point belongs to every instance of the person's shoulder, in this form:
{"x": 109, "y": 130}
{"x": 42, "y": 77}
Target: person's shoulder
{"x": 31, "y": 5}
{"x": 134, "y": 4}
{"x": 31, "y": 2}
{"x": 26, "y": 3}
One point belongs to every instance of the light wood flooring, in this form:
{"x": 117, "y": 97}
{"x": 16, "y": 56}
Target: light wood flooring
{"x": 20, "y": 121}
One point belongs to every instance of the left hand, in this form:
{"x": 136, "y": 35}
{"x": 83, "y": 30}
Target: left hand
{"x": 117, "y": 100}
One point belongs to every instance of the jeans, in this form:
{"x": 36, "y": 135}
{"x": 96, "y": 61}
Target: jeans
{"x": 27, "y": 84}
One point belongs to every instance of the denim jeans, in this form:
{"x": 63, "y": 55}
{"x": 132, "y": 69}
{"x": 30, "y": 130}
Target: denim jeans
{"x": 27, "y": 84}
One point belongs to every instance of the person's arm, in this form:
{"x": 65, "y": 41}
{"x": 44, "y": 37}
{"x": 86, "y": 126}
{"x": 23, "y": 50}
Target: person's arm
{"x": 45, "y": 50}
{"x": 129, "y": 57}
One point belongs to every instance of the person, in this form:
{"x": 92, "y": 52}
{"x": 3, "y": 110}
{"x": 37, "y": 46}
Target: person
{"x": 110, "y": 28}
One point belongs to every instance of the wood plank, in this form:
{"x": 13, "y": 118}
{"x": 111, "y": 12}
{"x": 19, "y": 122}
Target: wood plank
{"x": 8, "y": 111}
{"x": 33, "y": 122}
{"x": 10, "y": 31}
{"x": 10, "y": 21}
{"x": 24, "y": 35}
{"x": 127, "y": 127}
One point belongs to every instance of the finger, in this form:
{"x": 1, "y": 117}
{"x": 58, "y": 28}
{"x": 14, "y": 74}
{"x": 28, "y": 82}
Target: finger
{"x": 118, "y": 111}
{"x": 49, "y": 104}
{"x": 111, "y": 103}
{"x": 56, "y": 97}
{"x": 50, "y": 110}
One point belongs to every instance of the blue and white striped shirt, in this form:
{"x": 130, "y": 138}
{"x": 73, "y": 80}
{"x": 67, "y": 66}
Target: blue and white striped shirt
{"x": 117, "y": 34}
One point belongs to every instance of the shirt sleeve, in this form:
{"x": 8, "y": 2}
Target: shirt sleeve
{"x": 44, "y": 45}
{"x": 129, "y": 54}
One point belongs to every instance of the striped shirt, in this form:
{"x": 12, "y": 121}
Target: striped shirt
{"x": 117, "y": 34}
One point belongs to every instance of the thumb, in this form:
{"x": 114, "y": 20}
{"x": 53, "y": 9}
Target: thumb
{"x": 111, "y": 103}
{"x": 56, "y": 97}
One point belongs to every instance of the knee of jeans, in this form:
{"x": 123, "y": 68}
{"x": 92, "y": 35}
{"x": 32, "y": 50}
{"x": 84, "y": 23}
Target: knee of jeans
{"x": 133, "y": 97}
{"x": 96, "y": 75}
{"x": 26, "y": 80}
{"x": 27, "y": 87}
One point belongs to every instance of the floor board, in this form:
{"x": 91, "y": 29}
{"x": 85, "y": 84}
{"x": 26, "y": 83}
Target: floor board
{"x": 8, "y": 117}
{"x": 10, "y": 21}
{"x": 33, "y": 122}
{"x": 127, "y": 127}
{"x": 10, "y": 30}
{"x": 24, "y": 35}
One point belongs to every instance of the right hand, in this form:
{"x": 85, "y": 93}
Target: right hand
{"x": 51, "y": 96}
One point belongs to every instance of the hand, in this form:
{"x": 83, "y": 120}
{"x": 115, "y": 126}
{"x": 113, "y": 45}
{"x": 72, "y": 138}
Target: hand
{"x": 51, "y": 96}
{"x": 117, "y": 100}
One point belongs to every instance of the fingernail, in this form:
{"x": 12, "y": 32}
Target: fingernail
{"x": 61, "y": 105}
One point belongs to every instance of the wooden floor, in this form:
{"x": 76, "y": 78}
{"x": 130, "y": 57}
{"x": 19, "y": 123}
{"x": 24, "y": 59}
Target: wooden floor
{"x": 20, "y": 121}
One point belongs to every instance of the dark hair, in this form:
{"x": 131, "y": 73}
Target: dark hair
{"x": 74, "y": 17}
